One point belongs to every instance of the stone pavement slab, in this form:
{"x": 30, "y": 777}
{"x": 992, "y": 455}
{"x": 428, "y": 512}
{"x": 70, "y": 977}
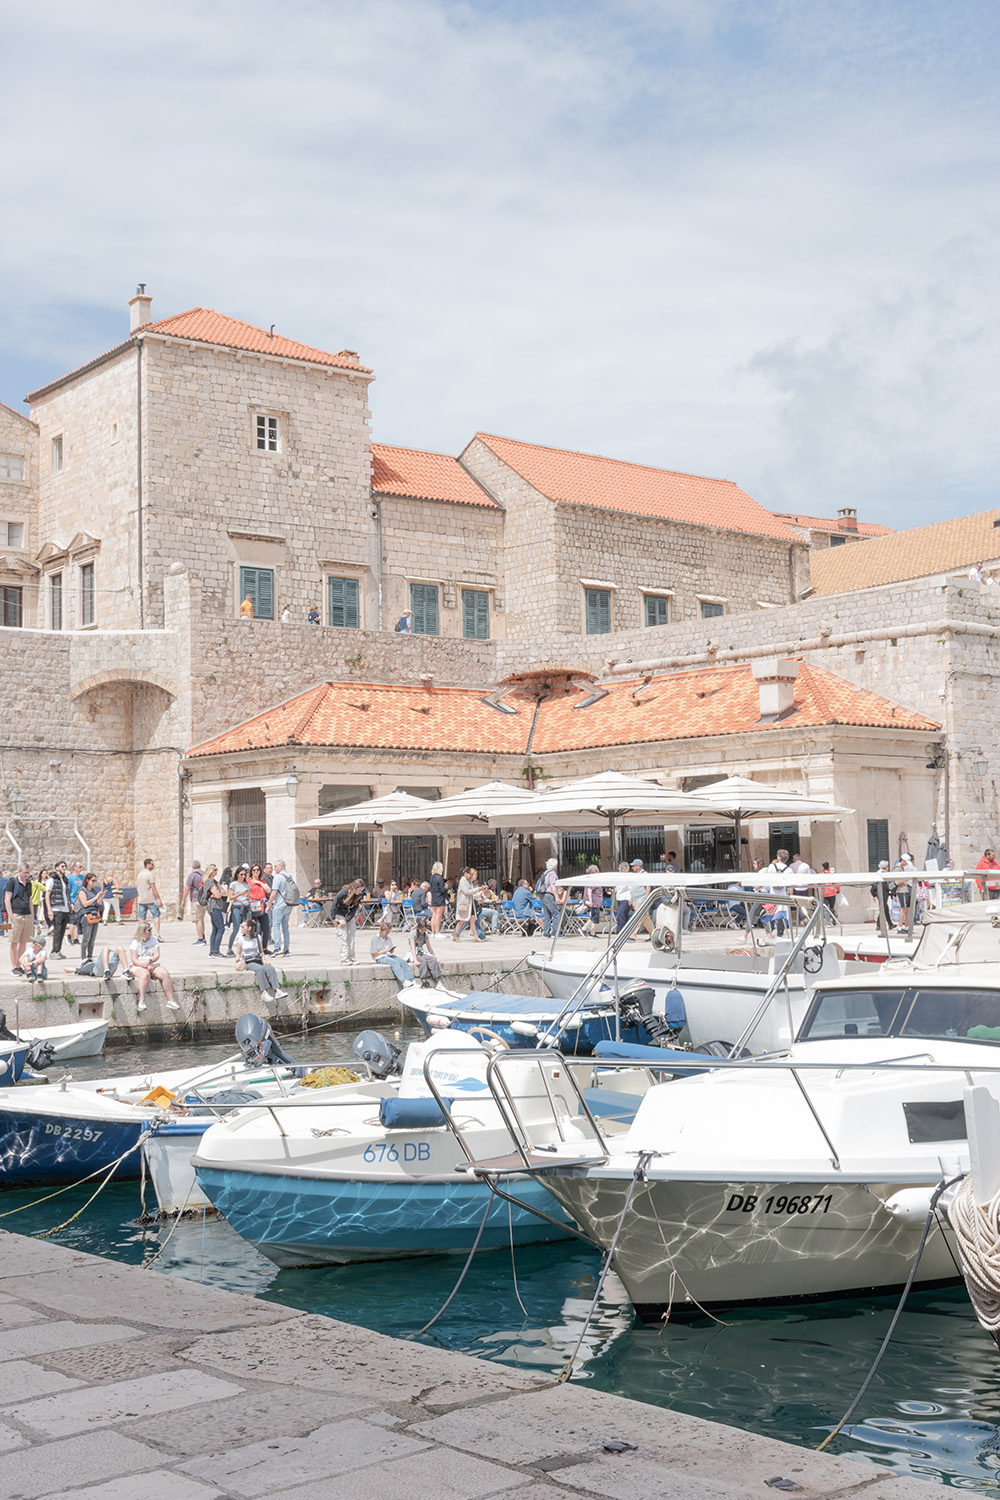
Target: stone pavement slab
{"x": 555, "y": 1429}
{"x": 436, "y": 1474}
{"x": 267, "y": 1467}
{"x": 274, "y": 1412}
{"x": 10, "y": 1438}
{"x": 112, "y": 1290}
{"x": 20, "y": 1256}
{"x": 151, "y": 1354}
{"x": 24, "y": 1380}
{"x": 324, "y": 1355}
{"x": 103, "y": 1405}
{"x": 39, "y": 1338}
{"x": 159, "y": 1484}
{"x": 44, "y": 1470}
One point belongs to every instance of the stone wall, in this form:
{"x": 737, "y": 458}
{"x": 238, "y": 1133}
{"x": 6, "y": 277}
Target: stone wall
{"x": 454, "y": 546}
{"x": 19, "y": 505}
{"x": 550, "y": 547}
{"x": 96, "y": 416}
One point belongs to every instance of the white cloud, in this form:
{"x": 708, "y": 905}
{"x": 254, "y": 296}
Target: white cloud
{"x": 738, "y": 238}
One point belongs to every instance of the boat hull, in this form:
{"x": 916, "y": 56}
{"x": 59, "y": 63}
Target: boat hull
{"x": 70, "y": 1042}
{"x": 502, "y": 1015}
{"x": 168, "y": 1153}
{"x": 308, "y": 1221}
{"x": 689, "y": 1245}
{"x": 38, "y": 1149}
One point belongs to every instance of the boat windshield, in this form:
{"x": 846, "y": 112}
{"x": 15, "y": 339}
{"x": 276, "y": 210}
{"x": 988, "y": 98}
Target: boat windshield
{"x": 938, "y": 1013}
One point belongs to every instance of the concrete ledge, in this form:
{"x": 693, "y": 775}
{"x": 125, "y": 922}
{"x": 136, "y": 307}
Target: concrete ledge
{"x": 126, "y": 1382}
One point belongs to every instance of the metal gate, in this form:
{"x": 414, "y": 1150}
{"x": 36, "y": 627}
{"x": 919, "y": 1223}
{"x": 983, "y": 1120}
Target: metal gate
{"x": 480, "y": 850}
{"x": 247, "y": 827}
{"x": 413, "y": 854}
{"x": 344, "y": 857}
{"x": 577, "y": 851}
{"x": 648, "y": 845}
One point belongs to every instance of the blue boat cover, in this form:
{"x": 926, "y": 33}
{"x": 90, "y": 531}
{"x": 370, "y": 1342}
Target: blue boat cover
{"x": 632, "y": 1051}
{"x": 489, "y": 1003}
{"x": 410, "y": 1114}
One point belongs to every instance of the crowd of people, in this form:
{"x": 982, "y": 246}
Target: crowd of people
{"x": 243, "y": 912}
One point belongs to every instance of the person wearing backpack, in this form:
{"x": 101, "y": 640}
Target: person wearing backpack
{"x": 284, "y": 896}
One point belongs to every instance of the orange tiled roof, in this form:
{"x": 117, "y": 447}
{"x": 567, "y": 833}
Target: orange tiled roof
{"x": 425, "y": 476}
{"x": 916, "y": 553}
{"x": 23, "y": 415}
{"x": 204, "y": 326}
{"x": 823, "y": 523}
{"x": 614, "y": 484}
{"x": 698, "y": 704}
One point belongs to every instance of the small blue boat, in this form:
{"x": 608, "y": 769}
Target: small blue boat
{"x": 13, "y": 1060}
{"x": 540, "y": 1021}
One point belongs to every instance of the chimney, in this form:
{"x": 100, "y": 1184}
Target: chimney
{"x": 427, "y": 682}
{"x": 847, "y": 518}
{"x": 138, "y": 308}
{"x": 776, "y": 684}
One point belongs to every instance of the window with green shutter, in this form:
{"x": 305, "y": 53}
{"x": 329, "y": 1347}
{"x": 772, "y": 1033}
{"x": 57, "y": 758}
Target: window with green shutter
{"x": 709, "y": 609}
{"x": 342, "y": 606}
{"x": 259, "y": 584}
{"x": 475, "y": 614}
{"x": 878, "y": 841}
{"x": 597, "y": 605}
{"x": 424, "y": 608}
{"x": 657, "y": 609}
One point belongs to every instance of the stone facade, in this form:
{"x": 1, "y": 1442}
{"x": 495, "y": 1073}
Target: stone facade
{"x": 553, "y": 549}
{"x": 18, "y": 517}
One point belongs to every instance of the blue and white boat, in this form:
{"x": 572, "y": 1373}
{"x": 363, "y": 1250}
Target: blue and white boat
{"x": 13, "y": 1060}
{"x": 521, "y": 1020}
{"x": 66, "y": 1132}
{"x": 370, "y": 1173}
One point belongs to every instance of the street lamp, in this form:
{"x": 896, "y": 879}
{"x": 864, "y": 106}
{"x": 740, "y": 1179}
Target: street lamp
{"x": 17, "y": 803}
{"x": 980, "y": 766}
{"x": 292, "y": 784}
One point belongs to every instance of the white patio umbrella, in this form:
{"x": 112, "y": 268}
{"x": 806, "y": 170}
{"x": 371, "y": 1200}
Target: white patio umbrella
{"x": 367, "y": 817}
{"x": 737, "y": 797}
{"x": 608, "y": 800}
{"x": 465, "y": 812}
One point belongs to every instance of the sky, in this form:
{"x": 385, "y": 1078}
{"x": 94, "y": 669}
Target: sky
{"x": 754, "y": 239}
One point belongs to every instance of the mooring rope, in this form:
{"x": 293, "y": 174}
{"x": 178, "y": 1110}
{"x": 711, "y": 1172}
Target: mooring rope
{"x": 977, "y": 1235}
{"x": 475, "y": 1246}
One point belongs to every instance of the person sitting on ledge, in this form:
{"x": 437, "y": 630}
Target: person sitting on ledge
{"x": 253, "y": 961}
{"x": 144, "y": 960}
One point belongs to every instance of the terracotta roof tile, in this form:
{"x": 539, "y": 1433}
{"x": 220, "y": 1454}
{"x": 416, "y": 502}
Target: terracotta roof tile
{"x": 613, "y": 484}
{"x": 916, "y": 553}
{"x": 823, "y": 523}
{"x": 202, "y": 325}
{"x": 699, "y": 704}
{"x": 425, "y": 476}
{"x": 205, "y": 326}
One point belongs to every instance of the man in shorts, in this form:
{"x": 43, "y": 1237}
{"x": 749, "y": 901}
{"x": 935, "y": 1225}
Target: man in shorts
{"x": 192, "y": 890}
{"x": 147, "y": 898}
{"x": 20, "y": 920}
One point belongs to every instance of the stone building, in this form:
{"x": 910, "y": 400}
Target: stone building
{"x": 821, "y": 533}
{"x": 203, "y": 460}
{"x": 340, "y": 743}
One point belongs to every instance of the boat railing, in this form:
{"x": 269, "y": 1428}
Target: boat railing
{"x": 814, "y": 920}
{"x": 534, "y": 1154}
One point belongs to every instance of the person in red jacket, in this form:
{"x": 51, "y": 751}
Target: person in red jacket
{"x": 990, "y": 888}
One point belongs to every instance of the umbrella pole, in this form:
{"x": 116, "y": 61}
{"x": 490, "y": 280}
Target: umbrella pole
{"x": 739, "y": 841}
{"x": 612, "y": 840}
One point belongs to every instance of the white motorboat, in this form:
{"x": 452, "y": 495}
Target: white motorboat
{"x": 371, "y": 1173}
{"x": 809, "y": 1175}
{"x": 68, "y": 1043}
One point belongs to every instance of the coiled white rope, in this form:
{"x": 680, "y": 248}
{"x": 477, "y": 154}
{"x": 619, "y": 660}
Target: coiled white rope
{"x": 977, "y": 1234}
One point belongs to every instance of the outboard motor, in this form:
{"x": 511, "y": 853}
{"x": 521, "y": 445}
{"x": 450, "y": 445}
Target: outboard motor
{"x": 258, "y": 1043}
{"x": 5, "y": 1034}
{"x": 637, "y": 1011}
{"x": 41, "y": 1056}
{"x": 383, "y": 1057}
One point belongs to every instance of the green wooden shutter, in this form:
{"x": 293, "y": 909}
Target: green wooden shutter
{"x": 475, "y": 614}
{"x": 878, "y": 841}
{"x": 657, "y": 610}
{"x": 259, "y": 584}
{"x": 342, "y": 602}
{"x": 598, "y": 609}
{"x": 424, "y": 608}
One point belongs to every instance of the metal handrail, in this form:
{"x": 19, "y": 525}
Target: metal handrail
{"x": 815, "y": 917}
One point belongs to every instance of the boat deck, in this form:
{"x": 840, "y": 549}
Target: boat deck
{"x": 122, "y": 1383}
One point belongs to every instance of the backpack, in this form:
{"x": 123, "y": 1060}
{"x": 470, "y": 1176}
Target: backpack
{"x": 203, "y": 893}
{"x": 290, "y": 894}
{"x": 540, "y": 883}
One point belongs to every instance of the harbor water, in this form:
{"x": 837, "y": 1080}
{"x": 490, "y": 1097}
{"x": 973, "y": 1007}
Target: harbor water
{"x": 933, "y": 1409}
